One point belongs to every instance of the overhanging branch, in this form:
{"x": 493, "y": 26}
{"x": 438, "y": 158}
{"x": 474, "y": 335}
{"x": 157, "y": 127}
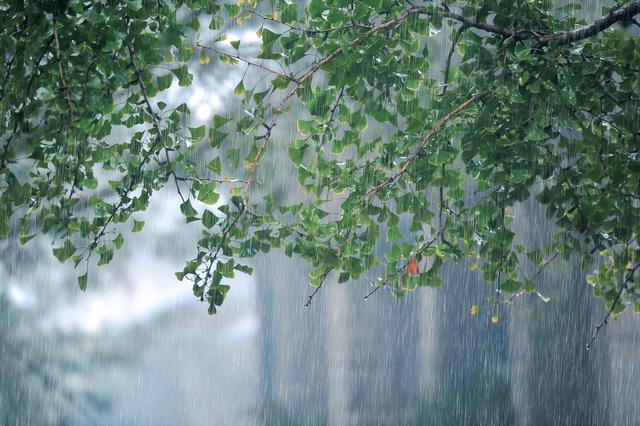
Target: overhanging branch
{"x": 623, "y": 14}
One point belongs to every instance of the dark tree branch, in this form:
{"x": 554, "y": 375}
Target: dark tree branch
{"x": 333, "y": 113}
{"x": 307, "y": 30}
{"x": 249, "y": 62}
{"x": 63, "y": 81}
{"x": 624, "y": 14}
{"x": 438, "y": 126}
{"x": 456, "y": 37}
{"x": 605, "y": 321}
{"x": 312, "y": 295}
{"x": 134, "y": 179}
{"x": 404, "y": 266}
{"x": 308, "y": 75}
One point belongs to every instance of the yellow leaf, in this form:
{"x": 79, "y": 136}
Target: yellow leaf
{"x": 628, "y": 266}
{"x": 204, "y": 59}
{"x": 473, "y": 266}
{"x": 494, "y": 319}
{"x": 474, "y": 309}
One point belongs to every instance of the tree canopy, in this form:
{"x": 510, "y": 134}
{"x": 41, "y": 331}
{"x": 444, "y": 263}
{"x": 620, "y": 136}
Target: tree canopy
{"x": 534, "y": 106}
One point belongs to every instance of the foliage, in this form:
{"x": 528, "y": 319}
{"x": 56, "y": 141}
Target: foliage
{"x": 534, "y": 106}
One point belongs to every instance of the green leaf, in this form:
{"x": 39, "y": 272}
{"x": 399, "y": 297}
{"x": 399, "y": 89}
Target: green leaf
{"x": 187, "y": 209}
{"x": 219, "y": 121}
{"x": 118, "y": 241}
{"x": 106, "y": 255}
{"x": 209, "y": 219}
{"x": 197, "y": 133}
{"x": 207, "y": 194}
{"x": 90, "y": 183}
{"x": 164, "y": 81}
{"x": 268, "y": 37}
{"x": 216, "y": 137}
{"x": 315, "y": 8}
{"x": 215, "y": 165}
{"x": 64, "y": 252}
{"x": 184, "y": 77}
{"x": 442, "y": 156}
{"x": 82, "y": 282}
{"x": 137, "y": 225}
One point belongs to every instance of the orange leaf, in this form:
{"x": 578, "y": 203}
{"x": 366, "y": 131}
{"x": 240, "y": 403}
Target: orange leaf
{"x": 413, "y": 268}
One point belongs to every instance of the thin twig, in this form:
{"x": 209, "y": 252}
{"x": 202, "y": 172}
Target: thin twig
{"x": 456, "y": 37}
{"x": 333, "y": 113}
{"x": 404, "y": 266}
{"x": 306, "y": 76}
{"x": 206, "y": 179}
{"x": 312, "y": 295}
{"x": 223, "y": 238}
{"x": 306, "y": 30}
{"x": 248, "y": 62}
{"x": 538, "y": 272}
{"x": 376, "y": 288}
{"x": 149, "y": 108}
{"x": 613, "y": 306}
{"x": 63, "y": 81}
{"x": 624, "y": 14}
{"x": 133, "y": 180}
{"x": 439, "y": 125}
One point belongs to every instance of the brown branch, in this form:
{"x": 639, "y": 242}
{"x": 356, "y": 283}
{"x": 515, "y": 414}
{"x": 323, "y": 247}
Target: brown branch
{"x": 456, "y": 37}
{"x": 223, "y": 239}
{"x": 133, "y": 180}
{"x": 605, "y": 321}
{"x": 306, "y": 76}
{"x": 375, "y": 288}
{"x": 538, "y": 272}
{"x": 439, "y": 125}
{"x": 206, "y": 179}
{"x": 65, "y": 90}
{"x": 333, "y": 113}
{"x": 150, "y": 111}
{"x": 624, "y": 14}
{"x": 248, "y": 62}
{"x": 63, "y": 81}
{"x": 306, "y": 30}
{"x": 404, "y": 266}
{"x": 312, "y": 295}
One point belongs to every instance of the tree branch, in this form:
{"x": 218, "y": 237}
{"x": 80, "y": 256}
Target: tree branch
{"x": 63, "y": 81}
{"x": 605, "y": 321}
{"x": 456, "y": 37}
{"x": 305, "y": 30}
{"x": 306, "y": 76}
{"x": 145, "y": 159}
{"x": 439, "y": 125}
{"x": 248, "y": 62}
{"x": 312, "y": 295}
{"x": 404, "y": 266}
{"x": 624, "y": 14}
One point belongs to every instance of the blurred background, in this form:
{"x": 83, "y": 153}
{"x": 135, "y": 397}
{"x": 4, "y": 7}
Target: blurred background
{"x": 137, "y": 348}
